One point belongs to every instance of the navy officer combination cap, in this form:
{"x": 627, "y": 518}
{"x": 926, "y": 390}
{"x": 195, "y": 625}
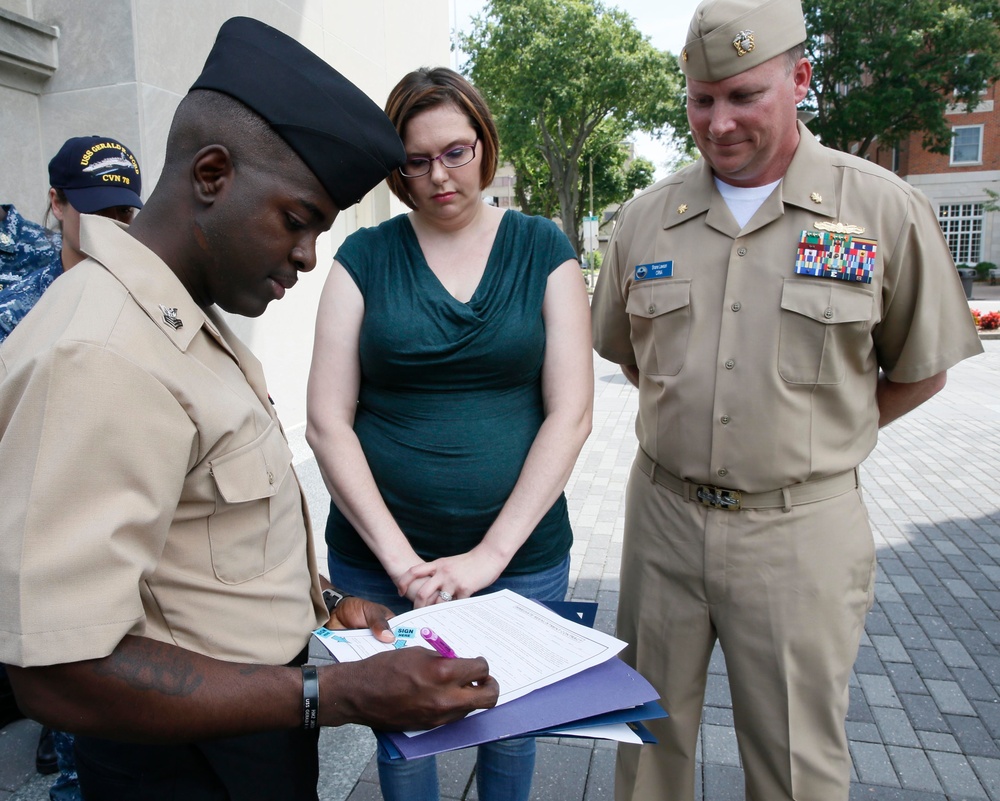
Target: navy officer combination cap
{"x": 334, "y": 127}
{"x": 96, "y": 173}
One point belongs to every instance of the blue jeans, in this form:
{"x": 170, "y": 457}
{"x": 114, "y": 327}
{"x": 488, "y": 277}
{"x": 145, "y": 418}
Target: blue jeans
{"x": 503, "y": 769}
{"x": 66, "y": 786}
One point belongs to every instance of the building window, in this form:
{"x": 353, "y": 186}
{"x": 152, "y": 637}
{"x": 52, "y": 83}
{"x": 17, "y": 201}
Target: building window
{"x": 962, "y": 224}
{"x": 967, "y": 144}
{"x": 961, "y": 87}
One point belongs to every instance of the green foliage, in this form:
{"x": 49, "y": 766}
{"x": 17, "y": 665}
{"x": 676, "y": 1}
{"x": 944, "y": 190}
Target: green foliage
{"x": 983, "y": 270}
{"x": 558, "y": 73}
{"x": 883, "y": 69}
{"x": 616, "y": 177}
{"x": 993, "y": 201}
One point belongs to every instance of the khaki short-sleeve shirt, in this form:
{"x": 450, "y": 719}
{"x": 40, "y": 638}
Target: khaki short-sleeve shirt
{"x": 147, "y": 486}
{"x": 755, "y": 377}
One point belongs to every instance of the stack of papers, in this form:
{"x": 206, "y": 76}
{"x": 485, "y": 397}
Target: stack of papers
{"x": 557, "y": 676}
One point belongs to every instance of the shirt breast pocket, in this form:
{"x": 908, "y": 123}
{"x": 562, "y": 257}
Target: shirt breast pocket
{"x": 824, "y": 324}
{"x": 250, "y": 497}
{"x": 660, "y": 318}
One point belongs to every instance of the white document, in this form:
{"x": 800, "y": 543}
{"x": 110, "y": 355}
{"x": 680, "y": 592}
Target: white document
{"x": 620, "y": 732}
{"x": 527, "y": 645}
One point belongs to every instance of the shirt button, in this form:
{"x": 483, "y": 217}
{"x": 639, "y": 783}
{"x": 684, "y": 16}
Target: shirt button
{"x": 828, "y": 313}
{"x": 723, "y": 472}
{"x": 736, "y": 306}
{"x": 652, "y": 309}
{"x": 730, "y": 364}
{"x": 725, "y": 419}
{"x": 742, "y": 251}
{"x": 270, "y": 477}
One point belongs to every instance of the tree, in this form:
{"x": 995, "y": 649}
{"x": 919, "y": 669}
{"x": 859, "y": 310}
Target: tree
{"x": 605, "y": 159}
{"x": 883, "y": 69}
{"x": 554, "y": 72}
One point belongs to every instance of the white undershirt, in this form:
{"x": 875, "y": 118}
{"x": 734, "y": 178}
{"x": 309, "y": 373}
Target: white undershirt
{"x": 743, "y": 201}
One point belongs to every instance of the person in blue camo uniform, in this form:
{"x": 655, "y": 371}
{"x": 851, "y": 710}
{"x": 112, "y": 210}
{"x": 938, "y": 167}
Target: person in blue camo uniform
{"x": 29, "y": 263}
{"x": 24, "y": 245}
{"x": 89, "y": 175}
{"x": 31, "y": 256}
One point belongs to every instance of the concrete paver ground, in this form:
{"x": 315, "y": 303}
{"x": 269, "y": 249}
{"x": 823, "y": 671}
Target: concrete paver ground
{"x": 924, "y": 719}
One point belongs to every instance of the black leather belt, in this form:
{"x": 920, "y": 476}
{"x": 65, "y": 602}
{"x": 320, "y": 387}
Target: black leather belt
{"x": 731, "y": 500}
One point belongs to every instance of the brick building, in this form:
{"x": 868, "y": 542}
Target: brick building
{"x": 956, "y": 182}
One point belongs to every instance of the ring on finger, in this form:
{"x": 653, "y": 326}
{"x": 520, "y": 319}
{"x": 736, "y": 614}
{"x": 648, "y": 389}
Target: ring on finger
{"x": 444, "y": 595}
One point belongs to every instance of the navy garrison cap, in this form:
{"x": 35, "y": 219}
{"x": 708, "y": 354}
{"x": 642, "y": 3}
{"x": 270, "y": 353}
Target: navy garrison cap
{"x": 727, "y": 37}
{"x": 334, "y": 127}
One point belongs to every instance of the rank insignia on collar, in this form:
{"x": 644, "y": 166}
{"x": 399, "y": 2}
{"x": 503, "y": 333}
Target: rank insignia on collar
{"x": 6, "y": 239}
{"x": 682, "y": 208}
{"x": 744, "y": 43}
{"x": 684, "y": 54}
{"x": 170, "y": 317}
{"x": 839, "y": 228}
{"x": 816, "y": 197}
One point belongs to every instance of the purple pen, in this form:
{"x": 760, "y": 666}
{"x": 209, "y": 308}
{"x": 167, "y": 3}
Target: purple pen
{"x": 438, "y": 644}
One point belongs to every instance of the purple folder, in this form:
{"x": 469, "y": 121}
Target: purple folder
{"x": 607, "y": 687}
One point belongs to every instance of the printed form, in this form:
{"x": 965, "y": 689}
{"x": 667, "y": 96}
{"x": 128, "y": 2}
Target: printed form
{"x": 527, "y": 645}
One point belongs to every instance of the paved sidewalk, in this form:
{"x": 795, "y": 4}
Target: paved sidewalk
{"x": 924, "y": 721}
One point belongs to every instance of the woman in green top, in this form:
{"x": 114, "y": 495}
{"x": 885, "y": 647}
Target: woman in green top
{"x": 451, "y": 391}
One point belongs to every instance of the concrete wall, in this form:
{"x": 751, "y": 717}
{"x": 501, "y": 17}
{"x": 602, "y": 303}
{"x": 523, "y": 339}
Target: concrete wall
{"x": 120, "y": 67}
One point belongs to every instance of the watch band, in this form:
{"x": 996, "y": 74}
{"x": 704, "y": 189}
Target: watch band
{"x": 333, "y": 598}
{"x": 310, "y": 698}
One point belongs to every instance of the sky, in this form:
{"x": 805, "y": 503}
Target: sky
{"x": 665, "y": 22}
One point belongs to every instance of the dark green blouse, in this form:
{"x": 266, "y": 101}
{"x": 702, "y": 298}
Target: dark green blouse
{"x": 450, "y": 398}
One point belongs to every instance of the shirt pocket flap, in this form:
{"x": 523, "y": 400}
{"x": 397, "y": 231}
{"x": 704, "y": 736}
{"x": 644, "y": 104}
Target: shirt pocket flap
{"x": 827, "y": 302}
{"x": 658, "y": 297}
{"x": 254, "y": 471}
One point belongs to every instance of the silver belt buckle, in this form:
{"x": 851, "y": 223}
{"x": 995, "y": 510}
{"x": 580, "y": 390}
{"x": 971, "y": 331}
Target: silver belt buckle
{"x": 719, "y": 498}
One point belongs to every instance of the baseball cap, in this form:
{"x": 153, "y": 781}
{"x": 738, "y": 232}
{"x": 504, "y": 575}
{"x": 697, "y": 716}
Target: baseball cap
{"x": 334, "y": 127}
{"x": 95, "y": 173}
{"x": 727, "y": 37}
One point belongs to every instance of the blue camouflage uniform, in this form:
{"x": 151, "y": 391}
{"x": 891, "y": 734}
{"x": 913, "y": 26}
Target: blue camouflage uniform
{"x": 29, "y": 262}
{"x": 24, "y": 246}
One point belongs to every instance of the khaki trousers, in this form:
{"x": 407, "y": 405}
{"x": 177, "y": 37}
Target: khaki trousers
{"x": 785, "y": 594}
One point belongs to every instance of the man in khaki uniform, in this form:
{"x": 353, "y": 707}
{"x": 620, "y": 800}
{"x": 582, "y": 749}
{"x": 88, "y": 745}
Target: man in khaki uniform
{"x": 157, "y": 578}
{"x": 775, "y": 303}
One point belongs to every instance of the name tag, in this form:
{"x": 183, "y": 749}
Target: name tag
{"x": 660, "y": 269}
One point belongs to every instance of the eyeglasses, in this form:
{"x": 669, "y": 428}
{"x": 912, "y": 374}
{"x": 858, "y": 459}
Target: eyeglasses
{"x": 456, "y": 157}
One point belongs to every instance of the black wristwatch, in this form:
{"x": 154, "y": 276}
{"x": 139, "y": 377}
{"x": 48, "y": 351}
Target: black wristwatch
{"x": 332, "y": 598}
